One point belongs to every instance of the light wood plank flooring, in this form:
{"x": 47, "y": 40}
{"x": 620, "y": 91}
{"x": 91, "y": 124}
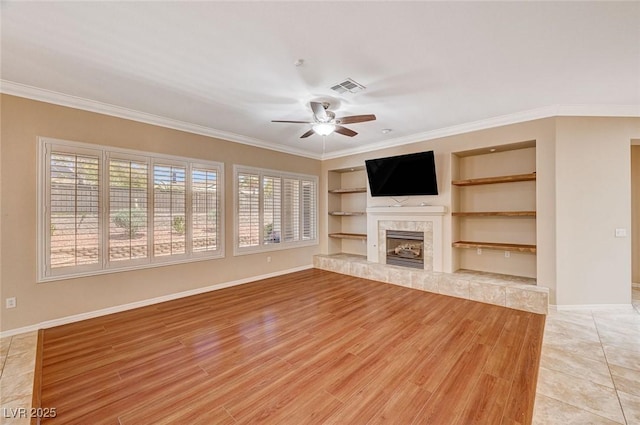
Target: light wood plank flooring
{"x": 304, "y": 348}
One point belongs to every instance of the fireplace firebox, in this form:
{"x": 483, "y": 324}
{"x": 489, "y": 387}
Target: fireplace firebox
{"x": 405, "y": 248}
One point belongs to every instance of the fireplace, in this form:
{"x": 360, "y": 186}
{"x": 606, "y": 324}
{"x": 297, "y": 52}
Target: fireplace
{"x": 426, "y": 220}
{"x": 405, "y": 248}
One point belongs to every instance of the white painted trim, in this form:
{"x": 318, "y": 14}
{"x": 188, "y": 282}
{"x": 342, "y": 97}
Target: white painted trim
{"x": 144, "y": 303}
{"x": 515, "y": 118}
{"x": 590, "y": 307}
{"x": 56, "y": 98}
{"x": 45, "y": 148}
{"x": 262, "y": 172}
{"x": 409, "y": 210}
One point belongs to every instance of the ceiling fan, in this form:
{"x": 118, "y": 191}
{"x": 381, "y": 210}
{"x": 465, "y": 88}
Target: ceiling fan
{"x": 325, "y": 121}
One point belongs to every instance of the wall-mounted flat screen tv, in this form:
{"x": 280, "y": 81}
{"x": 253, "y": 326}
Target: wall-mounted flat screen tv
{"x": 404, "y": 175}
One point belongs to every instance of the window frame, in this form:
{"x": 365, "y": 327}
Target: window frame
{"x": 282, "y": 245}
{"x": 220, "y": 214}
{"x": 47, "y": 145}
{"x": 44, "y": 209}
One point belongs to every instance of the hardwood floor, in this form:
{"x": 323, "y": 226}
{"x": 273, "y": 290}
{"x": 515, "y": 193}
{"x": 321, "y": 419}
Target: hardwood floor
{"x": 310, "y": 347}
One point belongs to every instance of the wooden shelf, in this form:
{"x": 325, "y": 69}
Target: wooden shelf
{"x": 357, "y": 236}
{"x": 496, "y": 246}
{"x": 346, "y": 213}
{"x": 349, "y": 190}
{"x": 346, "y": 209}
{"x": 495, "y": 214}
{"x": 493, "y": 180}
{"x": 348, "y": 169}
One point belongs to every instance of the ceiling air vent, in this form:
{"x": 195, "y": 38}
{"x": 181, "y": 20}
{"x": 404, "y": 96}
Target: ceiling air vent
{"x": 348, "y": 85}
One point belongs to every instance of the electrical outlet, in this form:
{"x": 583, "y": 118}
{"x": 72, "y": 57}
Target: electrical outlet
{"x": 507, "y": 254}
{"x": 621, "y": 233}
{"x": 10, "y": 302}
{"x": 268, "y": 259}
{"x": 479, "y": 251}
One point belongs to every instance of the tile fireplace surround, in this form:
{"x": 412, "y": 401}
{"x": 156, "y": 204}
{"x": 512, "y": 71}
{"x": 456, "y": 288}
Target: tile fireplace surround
{"x": 427, "y": 219}
{"x": 519, "y": 293}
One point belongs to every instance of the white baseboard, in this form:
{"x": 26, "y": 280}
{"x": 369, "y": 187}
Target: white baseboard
{"x": 130, "y": 306}
{"x": 592, "y": 307}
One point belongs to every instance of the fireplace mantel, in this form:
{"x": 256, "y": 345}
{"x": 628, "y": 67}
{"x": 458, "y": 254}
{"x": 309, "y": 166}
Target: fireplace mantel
{"x": 413, "y": 210}
{"x": 398, "y": 218}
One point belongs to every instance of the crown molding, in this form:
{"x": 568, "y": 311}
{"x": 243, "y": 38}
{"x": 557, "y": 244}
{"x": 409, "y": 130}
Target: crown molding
{"x": 48, "y": 96}
{"x": 516, "y": 118}
{"x": 61, "y": 99}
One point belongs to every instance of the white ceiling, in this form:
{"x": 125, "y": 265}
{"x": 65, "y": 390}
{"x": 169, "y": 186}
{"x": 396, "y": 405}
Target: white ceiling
{"x": 227, "y": 68}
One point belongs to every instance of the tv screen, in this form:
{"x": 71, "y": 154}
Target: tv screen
{"x": 403, "y": 175}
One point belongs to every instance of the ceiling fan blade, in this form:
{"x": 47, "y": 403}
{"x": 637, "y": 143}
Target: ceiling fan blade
{"x": 345, "y": 131}
{"x": 353, "y": 119}
{"x": 307, "y": 134}
{"x": 293, "y": 122}
{"x": 319, "y": 111}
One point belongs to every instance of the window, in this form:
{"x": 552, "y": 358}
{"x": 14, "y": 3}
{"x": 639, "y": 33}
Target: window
{"x": 291, "y": 210}
{"x": 248, "y": 209}
{"x": 74, "y": 210}
{"x": 272, "y": 202}
{"x": 128, "y": 195}
{"x": 274, "y": 210}
{"x": 106, "y": 209}
{"x": 205, "y": 209}
{"x": 308, "y": 210}
{"x": 169, "y": 214}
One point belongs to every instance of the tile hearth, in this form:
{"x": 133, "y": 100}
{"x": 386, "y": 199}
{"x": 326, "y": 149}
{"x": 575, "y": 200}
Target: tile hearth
{"x": 519, "y": 293}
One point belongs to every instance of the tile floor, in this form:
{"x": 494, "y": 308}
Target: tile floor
{"x": 590, "y": 368}
{"x": 17, "y": 364}
{"x": 589, "y": 371}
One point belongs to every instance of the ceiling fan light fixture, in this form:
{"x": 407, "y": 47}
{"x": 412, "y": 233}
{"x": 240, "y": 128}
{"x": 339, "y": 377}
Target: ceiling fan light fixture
{"x": 324, "y": 128}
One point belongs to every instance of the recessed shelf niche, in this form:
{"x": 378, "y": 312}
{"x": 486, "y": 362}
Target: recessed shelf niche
{"x": 347, "y": 204}
{"x": 494, "y": 209}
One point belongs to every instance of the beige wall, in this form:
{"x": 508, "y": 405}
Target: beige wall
{"x": 593, "y": 198}
{"x": 583, "y": 194}
{"x": 519, "y": 196}
{"x": 542, "y": 131}
{"x": 2, "y": 292}
{"x": 635, "y": 212}
{"x": 22, "y": 122}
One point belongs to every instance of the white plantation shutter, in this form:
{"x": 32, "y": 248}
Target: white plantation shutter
{"x": 205, "y": 211}
{"x": 248, "y": 195}
{"x": 74, "y": 211}
{"x": 274, "y": 210}
{"x": 272, "y": 206}
{"x": 291, "y": 210}
{"x": 128, "y": 209}
{"x": 102, "y": 209}
{"x": 169, "y": 201}
{"x": 308, "y": 210}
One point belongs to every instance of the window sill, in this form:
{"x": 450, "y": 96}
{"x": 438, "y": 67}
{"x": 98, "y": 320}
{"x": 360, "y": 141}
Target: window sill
{"x": 273, "y": 247}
